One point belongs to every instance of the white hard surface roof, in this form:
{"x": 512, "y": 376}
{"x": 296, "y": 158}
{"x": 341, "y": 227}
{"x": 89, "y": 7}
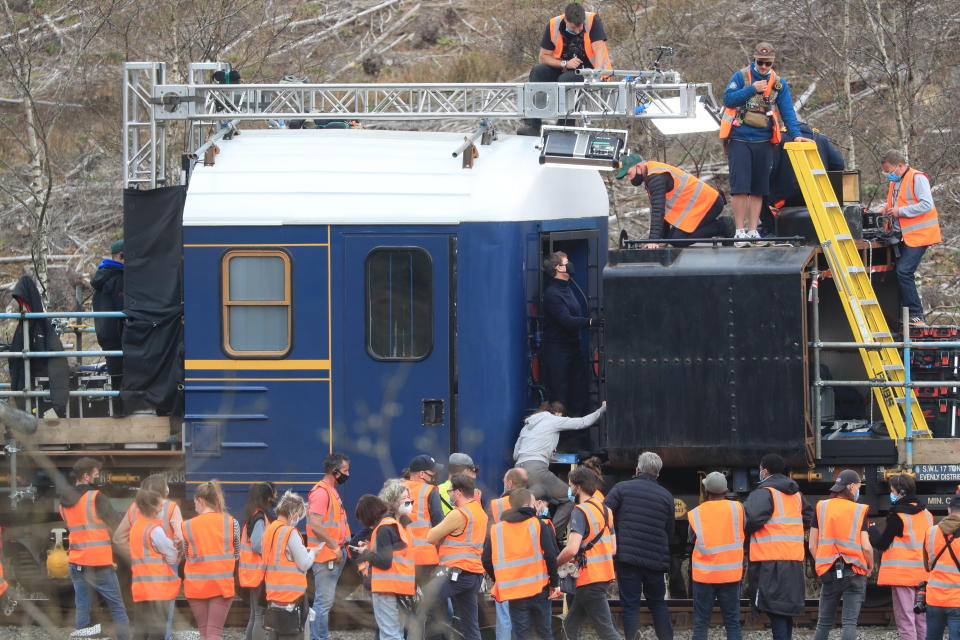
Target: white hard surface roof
{"x": 289, "y": 177}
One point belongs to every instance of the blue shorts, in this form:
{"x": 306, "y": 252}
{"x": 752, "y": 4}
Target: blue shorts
{"x": 751, "y": 164}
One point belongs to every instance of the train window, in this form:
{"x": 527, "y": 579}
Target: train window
{"x": 256, "y": 303}
{"x": 399, "y": 293}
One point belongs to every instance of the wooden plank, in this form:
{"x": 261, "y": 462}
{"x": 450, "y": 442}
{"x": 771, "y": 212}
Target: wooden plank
{"x": 130, "y": 429}
{"x": 932, "y": 451}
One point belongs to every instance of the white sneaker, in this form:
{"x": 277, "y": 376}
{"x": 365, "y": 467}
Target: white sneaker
{"x": 86, "y": 632}
{"x": 740, "y": 238}
{"x": 756, "y": 238}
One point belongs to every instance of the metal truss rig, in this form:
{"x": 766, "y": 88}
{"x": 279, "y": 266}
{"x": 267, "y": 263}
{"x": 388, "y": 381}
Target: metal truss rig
{"x": 150, "y": 103}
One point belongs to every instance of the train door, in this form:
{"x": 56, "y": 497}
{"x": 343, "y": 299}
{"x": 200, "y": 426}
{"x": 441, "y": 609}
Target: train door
{"x": 397, "y": 395}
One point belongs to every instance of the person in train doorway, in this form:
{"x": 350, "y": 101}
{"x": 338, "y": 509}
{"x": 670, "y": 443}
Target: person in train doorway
{"x": 776, "y": 516}
{"x": 286, "y": 563}
{"x": 941, "y": 555}
{"x": 427, "y": 513}
{"x": 842, "y": 554}
{"x": 900, "y": 543}
{"x": 457, "y": 463}
{"x": 520, "y": 555}
{"x": 564, "y": 364}
{"x": 681, "y": 206}
{"x": 327, "y": 532}
{"x": 910, "y": 201}
{"x": 717, "y": 535}
{"x": 644, "y": 515}
{"x": 459, "y": 542}
{"x": 535, "y": 447}
{"x": 90, "y": 519}
{"x": 574, "y": 40}
{"x": 107, "y": 285}
{"x": 515, "y": 478}
{"x": 758, "y": 106}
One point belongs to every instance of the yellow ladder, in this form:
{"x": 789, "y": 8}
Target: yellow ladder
{"x": 855, "y": 290}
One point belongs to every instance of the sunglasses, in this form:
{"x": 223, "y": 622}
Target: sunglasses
{"x": 763, "y": 63}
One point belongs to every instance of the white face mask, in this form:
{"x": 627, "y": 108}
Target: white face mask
{"x": 405, "y": 510}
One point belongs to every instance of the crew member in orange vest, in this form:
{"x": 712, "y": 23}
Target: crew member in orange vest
{"x": 776, "y": 516}
{"x": 681, "y": 206}
{"x": 170, "y": 514}
{"x": 427, "y": 513}
{"x": 211, "y": 548}
{"x": 258, "y": 513}
{"x": 520, "y": 555}
{"x": 287, "y": 562}
{"x": 154, "y": 560}
{"x": 459, "y": 538}
{"x": 89, "y": 519}
{"x": 717, "y": 536}
{"x": 514, "y": 478}
{"x": 574, "y": 40}
{"x": 910, "y": 200}
{"x": 842, "y": 555}
{"x": 328, "y": 532}
{"x": 941, "y": 554}
{"x": 901, "y": 545}
{"x": 593, "y": 539}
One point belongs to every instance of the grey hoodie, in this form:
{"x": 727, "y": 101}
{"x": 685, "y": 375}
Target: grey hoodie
{"x": 541, "y": 432}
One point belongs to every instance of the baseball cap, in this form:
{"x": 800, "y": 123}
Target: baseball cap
{"x": 626, "y": 162}
{"x": 955, "y": 502}
{"x": 116, "y": 247}
{"x": 462, "y": 460}
{"x": 764, "y": 50}
{"x": 423, "y": 462}
{"x": 844, "y": 479}
{"x": 715, "y": 482}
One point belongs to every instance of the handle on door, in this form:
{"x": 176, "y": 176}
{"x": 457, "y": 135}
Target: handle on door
{"x": 431, "y": 412}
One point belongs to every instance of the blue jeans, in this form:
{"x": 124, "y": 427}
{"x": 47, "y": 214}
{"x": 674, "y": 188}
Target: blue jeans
{"x": 104, "y": 581}
{"x": 781, "y": 627}
{"x": 531, "y": 617}
{"x": 386, "y": 612}
{"x": 851, "y": 589}
{"x": 325, "y": 580}
{"x": 940, "y": 618}
{"x": 727, "y": 595}
{"x": 906, "y": 269}
{"x": 504, "y": 625}
{"x": 634, "y": 581}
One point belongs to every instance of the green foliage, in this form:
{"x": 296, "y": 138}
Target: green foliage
{"x": 444, "y": 41}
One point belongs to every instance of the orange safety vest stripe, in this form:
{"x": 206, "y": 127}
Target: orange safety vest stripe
{"x": 424, "y": 553}
{"x": 919, "y": 231}
{"x": 89, "y": 535}
{"x": 781, "y": 537}
{"x": 497, "y": 507}
{"x": 518, "y": 565}
{"x": 400, "y": 577}
{"x": 689, "y": 200}
{"x": 151, "y": 577}
{"x": 731, "y": 117}
{"x": 599, "y": 559}
{"x": 604, "y": 64}
{"x": 210, "y": 562}
{"x": 252, "y": 567}
{"x": 464, "y": 550}
{"x": 284, "y": 582}
{"x": 839, "y": 522}
{"x": 943, "y": 585}
{"x": 901, "y": 563}
{"x": 166, "y": 513}
{"x": 718, "y": 553}
{"x": 335, "y": 522}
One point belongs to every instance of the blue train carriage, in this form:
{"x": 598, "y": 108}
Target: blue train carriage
{"x": 361, "y": 291}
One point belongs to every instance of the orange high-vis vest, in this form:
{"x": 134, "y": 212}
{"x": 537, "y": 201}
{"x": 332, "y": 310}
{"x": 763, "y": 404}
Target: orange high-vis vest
{"x": 464, "y": 550}
{"x": 599, "y": 567}
{"x": 251, "y": 568}
{"x": 210, "y": 561}
{"x": 334, "y": 523}
{"x": 283, "y": 581}
{"x": 943, "y": 585}
{"x": 424, "y": 553}
{"x": 902, "y": 563}
{"x": 688, "y": 202}
{"x": 166, "y": 513}
{"x": 598, "y": 496}
{"x": 839, "y": 522}
{"x": 922, "y": 230}
{"x": 153, "y": 579}
{"x": 519, "y": 570}
{"x": 497, "y": 507}
{"x": 3, "y": 583}
{"x": 731, "y": 115}
{"x": 601, "y": 65}
{"x": 718, "y": 553}
{"x": 781, "y": 538}
{"x": 89, "y": 535}
{"x": 400, "y": 578}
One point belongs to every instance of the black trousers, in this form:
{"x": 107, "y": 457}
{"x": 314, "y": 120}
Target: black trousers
{"x": 530, "y": 617}
{"x": 708, "y": 227}
{"x": 565, "y": 376}
{"x": 546, "y": 73}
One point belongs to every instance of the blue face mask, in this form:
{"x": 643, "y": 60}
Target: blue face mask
{"x": 893, "y": 497}
{"x": 856, "y": 496}
{"x": 570, "y": 495}
{"x": 567, "y": 29}
{"x": 545, "y": 512}
{"x": 892, "y": 177}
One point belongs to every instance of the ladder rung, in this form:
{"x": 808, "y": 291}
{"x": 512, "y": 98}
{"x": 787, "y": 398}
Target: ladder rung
{"x": 892, "y": 367}
{"x": 852, "y": 269}
{"x": 818, "y": 172}
{"x": 881, "y": 334}
{"x": 843, "y": 236}
{"x": 868, "y": 301}
{"x": 830, "y": 205}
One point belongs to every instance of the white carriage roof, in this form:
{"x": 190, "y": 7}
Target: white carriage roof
{"x": 346, "y": 176}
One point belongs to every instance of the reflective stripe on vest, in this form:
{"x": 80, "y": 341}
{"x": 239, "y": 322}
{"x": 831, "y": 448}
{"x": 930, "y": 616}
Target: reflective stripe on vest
{"x": 152, "y": 578}
{"x": 210, "y": 562}
{"x": 919, "y": 231}
{"x": 839, "y": 523}
{"x": 902, "y": 563}
{"x": 400, "y": 577}
{"x": 689, "y": 200}
{"x": 718, "y": 553}
{"x": 284, "y": 583}
{"x": 781, "y": 537}
{"x": 731, "y": 115}
{"x": 464, "y": 550}
{"x": 599, "y": 567}
{"x": 518, "y": 565}
{"x": 604, "y": 64}
{"x": 251, "y": 568}
{"x": 943, "y": 586}
{"x": 334, "y": 523}
{"x": 497, "y": 507}
{"x": 424, "y": 553}
{"x": 89, "y": 535}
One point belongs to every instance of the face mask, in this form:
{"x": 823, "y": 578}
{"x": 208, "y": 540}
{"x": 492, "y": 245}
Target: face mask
{"x": 544, "y": 513}
{"x": 637, "y": 180}
{"x": 567, "y": 29}
{"x": 893, "y": 497}
{"x": 856, "y": 495}
{"x": 892, "y": 177}
{"x": 570, "y": 495}
{"x": 342, "y": 477}
{"x": 571, "y": 270}
{"x": 405, "y": 509}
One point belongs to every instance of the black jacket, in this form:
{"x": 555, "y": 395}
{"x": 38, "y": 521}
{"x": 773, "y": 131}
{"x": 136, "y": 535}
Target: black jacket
{"x": 643, "y": 515}
{"x": 562, "y": 314}
{"x": 71, "y": 494}
{"x": 911, "y": 505}
{"x": 783, "y": 181}
{"x": 548, "y": 542}
{"x": 42, "y": 337}
{"x": 107, "y": 285}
